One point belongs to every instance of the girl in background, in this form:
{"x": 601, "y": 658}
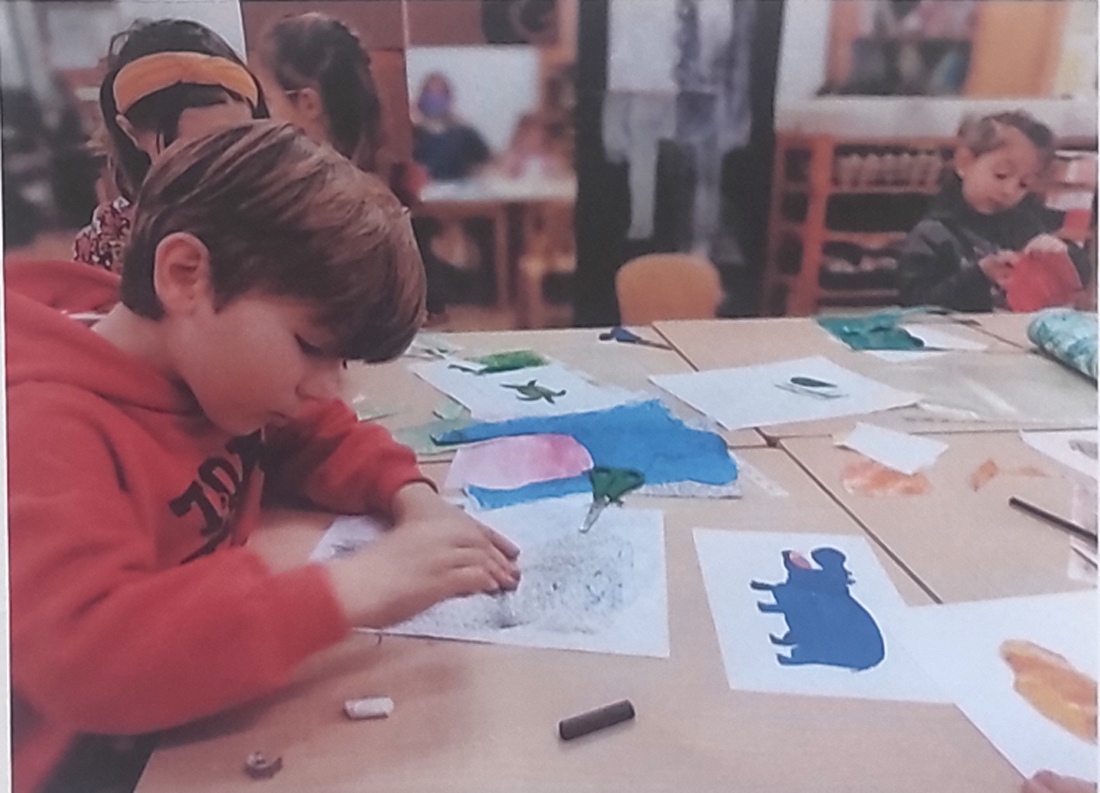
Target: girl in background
{"x": 317, "y": 76}
{"x": 167, "y": 80}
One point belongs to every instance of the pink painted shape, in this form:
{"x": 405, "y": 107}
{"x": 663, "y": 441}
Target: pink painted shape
{"x": 508, "y": 463}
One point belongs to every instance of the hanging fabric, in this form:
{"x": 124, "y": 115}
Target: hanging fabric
{"x": 679, "y": 70}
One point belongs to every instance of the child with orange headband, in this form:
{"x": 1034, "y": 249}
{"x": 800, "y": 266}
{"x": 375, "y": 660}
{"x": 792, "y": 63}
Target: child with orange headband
{"x": 167, "y": 80}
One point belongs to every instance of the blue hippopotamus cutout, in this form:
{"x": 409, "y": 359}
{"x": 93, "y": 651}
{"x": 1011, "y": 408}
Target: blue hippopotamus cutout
{"x": 826, "y": 625}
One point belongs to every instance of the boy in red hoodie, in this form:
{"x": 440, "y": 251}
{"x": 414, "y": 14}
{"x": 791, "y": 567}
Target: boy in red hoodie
{"x": 139, "y": 446}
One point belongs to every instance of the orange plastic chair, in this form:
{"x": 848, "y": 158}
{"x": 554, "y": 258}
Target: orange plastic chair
{"x": 667, "y": 286}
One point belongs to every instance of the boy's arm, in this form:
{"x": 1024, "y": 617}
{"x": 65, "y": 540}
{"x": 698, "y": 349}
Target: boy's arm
{"x": 104, "y": 639}
{"x": 338, "y": 463}
{"x": 932, "y": 271}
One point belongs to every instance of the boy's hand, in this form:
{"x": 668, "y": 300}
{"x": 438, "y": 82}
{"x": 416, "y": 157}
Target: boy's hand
{"x": 435, "y": 551}
{"x": 1046, "y": 243}
{"x": 998, "y": 266}
{"x": 1049, "y": 782}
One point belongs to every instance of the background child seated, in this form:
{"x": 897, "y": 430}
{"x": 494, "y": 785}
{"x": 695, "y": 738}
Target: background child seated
{"x": 148, "y": 99}
{"x": 961, "y": 256}
{"x": 139, "y": 448}
{"x": 531, "y": 153}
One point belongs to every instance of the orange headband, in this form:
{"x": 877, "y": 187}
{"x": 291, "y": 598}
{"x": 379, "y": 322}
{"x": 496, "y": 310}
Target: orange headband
{"x": 151, "y": 73}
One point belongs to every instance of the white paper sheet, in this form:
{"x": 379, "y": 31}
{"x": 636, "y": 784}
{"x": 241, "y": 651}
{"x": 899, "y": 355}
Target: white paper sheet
{"x": 603, "y": 591}
{"x": 897, "y": 450}
{"x": 960, "y": 646}
{"x": 905, "y": 356}
{"x": 1074, "y": 448}
{"x": 731, "y": 560}
{"x": 755, "y": 396}
{"x": 346, "y": 535}
{"x": 935, "y": 338}
{"x": 498, "y": 396}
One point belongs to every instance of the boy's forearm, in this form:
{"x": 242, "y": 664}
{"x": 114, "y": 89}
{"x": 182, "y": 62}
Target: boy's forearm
{"x": 418, "y": 499}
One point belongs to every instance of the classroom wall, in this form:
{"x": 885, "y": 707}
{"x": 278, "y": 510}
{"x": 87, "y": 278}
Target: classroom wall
{"x": 79, "y": 32}
{"x": 493, "y": 85}
{"x": 802, "y": 71}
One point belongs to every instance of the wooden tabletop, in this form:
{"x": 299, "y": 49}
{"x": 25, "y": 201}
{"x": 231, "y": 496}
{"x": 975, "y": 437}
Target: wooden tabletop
{"x": 962, "y": 543}
{"x": 483, "y": 717}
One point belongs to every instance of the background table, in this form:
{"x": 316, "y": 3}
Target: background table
{"x": 498, "y": 200}
{"x": 1019, "y": 389}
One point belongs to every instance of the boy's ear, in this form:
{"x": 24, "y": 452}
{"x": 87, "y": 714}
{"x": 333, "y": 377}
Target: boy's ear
{"x": 963, "y": 159}
{"x": 181, "y": 273}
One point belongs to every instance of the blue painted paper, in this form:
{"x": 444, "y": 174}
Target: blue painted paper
{"x": 644, "y": 436}
{"x": 826, "y": 625}
{"x": 879, "y": 331}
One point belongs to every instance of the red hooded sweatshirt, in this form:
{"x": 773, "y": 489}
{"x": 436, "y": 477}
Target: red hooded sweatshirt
{"x": 135, "y": 604}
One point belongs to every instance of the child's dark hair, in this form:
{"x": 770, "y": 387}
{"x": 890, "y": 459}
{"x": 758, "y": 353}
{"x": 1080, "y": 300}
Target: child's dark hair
{"x": 159, "y": 111}
{"x": 313, "y": 50}
{"x": 984, "y": 134}
{"x": 288, "y": 217}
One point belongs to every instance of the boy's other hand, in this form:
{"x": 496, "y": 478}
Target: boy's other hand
{"x": 422, "y": 561}
{"x": 1049, "y": 782}
{"x": 998, "y": 266}
{"x": 1046, "y": 243}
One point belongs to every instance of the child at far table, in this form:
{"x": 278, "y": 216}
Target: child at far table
{"x": 139, "y": 447}
{"x": 962, "y": 254}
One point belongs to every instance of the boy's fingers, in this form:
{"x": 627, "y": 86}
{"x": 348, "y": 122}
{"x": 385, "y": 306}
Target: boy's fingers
{"x": 474, "y": 579}
{"x": 497, "y": 568}
{"x": 506, "y": 546}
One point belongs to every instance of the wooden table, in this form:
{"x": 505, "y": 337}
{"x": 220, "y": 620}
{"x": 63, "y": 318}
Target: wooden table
{"x": 393, "y": 386}
{"x": 1008, "y": 327}
{"x": 1010, "y": 388}
{"x": 483, "y": 717}
{"x": 497, "y": 200}
{"x": 960, "y": 543}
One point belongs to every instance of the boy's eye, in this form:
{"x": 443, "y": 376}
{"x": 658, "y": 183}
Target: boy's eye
{"x": 312, "y": 350}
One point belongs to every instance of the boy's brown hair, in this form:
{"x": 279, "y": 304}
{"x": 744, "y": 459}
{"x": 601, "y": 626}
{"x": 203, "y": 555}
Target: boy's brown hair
{"x": 287, "y": 217}
{"x": 984, "y": 134}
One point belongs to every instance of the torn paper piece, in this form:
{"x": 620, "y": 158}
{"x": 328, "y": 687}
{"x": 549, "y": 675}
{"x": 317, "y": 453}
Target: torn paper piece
{"x": 905, "y": 356}
{"x": 511, "y": 462}
{"x": 935, "y": 338}
{"x": 1075, "y": 449}
{"x": 900, "y": 451}
{"x": 867, "y": 478}
{"x": 987, "y": 471}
